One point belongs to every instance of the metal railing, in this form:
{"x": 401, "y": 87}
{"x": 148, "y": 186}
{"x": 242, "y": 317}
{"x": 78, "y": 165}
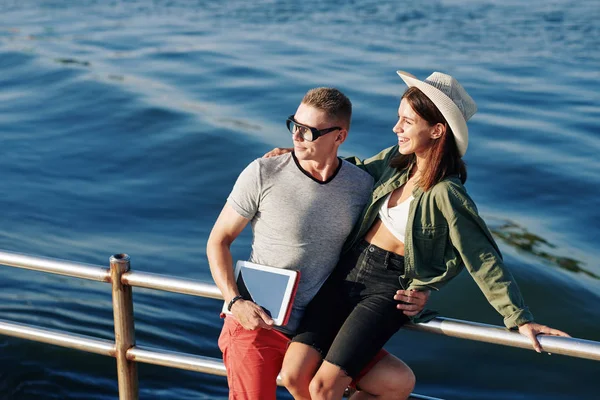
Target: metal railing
{"x": 128, "y": 354}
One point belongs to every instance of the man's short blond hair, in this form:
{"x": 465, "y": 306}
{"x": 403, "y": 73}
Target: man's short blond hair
{"x": 335, "y": 103}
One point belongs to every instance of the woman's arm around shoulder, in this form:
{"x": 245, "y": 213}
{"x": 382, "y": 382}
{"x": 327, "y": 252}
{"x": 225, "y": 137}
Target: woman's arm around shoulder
{"x": 377, "y": 164}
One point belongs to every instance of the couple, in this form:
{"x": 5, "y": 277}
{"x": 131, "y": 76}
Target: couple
{"x": 370, "y": 239}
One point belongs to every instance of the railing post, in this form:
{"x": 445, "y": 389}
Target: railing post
{"x": 124, "y": 328}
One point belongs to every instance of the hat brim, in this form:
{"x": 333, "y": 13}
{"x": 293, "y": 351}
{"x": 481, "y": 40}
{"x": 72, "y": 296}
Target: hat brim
{"x": 449, "y": 110}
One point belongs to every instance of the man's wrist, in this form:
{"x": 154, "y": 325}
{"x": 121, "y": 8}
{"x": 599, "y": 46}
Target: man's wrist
{"x": 233, "y": 301}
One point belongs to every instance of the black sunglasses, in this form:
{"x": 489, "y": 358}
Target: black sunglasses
{"x": 308, "y": 133}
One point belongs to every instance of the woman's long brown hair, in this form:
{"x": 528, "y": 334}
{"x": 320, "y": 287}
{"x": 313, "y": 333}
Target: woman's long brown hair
{"x": 444, "y": 159}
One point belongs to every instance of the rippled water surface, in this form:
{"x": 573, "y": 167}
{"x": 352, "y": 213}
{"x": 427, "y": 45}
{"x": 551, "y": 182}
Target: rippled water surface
{"x": 123, "y": 126}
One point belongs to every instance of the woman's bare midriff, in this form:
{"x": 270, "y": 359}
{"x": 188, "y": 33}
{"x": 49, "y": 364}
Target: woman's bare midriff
{"x": 381, "y": 237}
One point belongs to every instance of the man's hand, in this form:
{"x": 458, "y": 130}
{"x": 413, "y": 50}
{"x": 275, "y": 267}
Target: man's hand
{"x": 414, "y": 301}
{"x": 531, "y": 330}
{"x": 277, "y": 151}
{"x": 251, "y": 316}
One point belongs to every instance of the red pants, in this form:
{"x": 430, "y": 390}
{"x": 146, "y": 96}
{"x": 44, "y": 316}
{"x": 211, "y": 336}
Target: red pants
{"x": 253, "y": 360}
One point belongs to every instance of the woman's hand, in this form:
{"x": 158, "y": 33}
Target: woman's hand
{"x": 413, "y": 301}
{"x": 277, "y": 151}
{"x": 531, "y": 330}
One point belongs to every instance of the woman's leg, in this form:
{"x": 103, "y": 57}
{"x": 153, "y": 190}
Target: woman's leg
{"x": 329, "y": 383}
{"x": 368, "y": 327}
{"x": 370, "y": 286}
{"x": 299, "y": 366}
{"x": 389, "y": 379}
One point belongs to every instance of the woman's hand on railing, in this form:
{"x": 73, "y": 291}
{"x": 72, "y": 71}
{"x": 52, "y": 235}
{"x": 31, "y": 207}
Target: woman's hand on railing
{"x": 413, "y": 301}
{"x": 532, "y": 329}
{"x": 277, "y": 151}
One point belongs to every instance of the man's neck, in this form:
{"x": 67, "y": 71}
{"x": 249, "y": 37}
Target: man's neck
{"x": 321, "y": 170}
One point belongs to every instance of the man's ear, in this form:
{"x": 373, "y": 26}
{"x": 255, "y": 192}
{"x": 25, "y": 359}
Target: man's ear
{"x": 438, "y": 130}
{"x": 342, "y": 135}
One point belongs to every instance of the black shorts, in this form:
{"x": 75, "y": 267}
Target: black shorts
{"x": 354, "y": 314}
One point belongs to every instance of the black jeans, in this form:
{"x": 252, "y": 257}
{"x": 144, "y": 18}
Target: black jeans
{"x": 354, "y": 314}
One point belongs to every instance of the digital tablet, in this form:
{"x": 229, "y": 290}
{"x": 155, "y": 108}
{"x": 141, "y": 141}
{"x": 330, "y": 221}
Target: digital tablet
{"x": 271, "y": 288}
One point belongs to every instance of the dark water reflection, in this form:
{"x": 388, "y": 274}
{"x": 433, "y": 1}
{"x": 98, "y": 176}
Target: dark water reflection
{"x": 518, "y": 237}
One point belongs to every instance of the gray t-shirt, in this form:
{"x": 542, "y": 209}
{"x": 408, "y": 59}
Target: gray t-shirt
{"x": 298, "y": 222}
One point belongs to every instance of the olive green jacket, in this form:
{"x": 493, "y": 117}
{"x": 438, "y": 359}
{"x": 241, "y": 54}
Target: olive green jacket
{"x": 444, "y": 233}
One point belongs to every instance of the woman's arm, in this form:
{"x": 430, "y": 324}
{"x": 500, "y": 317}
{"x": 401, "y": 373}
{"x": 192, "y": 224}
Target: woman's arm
{"x": 375, "y": 165}
{"x": 474, "y": 242}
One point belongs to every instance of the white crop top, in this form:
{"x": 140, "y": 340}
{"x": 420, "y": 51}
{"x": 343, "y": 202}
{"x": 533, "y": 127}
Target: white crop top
{"x": 395, "y": 218}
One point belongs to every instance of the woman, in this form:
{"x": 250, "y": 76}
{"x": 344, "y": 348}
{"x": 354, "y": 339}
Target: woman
{"x": 418, "y": 232}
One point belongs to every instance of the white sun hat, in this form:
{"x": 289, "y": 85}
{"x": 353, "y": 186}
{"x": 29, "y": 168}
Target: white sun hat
{"x": 451, "y": 99}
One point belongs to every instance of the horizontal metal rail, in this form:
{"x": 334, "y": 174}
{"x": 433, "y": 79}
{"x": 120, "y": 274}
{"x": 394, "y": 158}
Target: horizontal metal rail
{"x": 566, "y": 346}
{"x": 171, "y": 284}
{"x": 175, "y": 359}
{"x": 54, "y": 266}
{"x": 59, "y": 338}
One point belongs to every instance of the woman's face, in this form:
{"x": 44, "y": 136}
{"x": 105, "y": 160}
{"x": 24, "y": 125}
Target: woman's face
{"x": 415, "y": 135}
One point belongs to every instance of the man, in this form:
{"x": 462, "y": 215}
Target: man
{"x": 302, "y": 205}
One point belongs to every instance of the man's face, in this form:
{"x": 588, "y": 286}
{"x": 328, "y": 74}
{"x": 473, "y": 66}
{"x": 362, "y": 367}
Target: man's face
{"x": 323, "y": 147}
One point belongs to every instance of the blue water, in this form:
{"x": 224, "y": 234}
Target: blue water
{"x": 123, "y": 125}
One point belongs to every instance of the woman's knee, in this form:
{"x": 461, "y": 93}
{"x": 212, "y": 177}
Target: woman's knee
{"x": 328, "y": 383}
{"x": 320, "y": 389}
{"x": 408, "y": 381}
{"x": 400, "y": 380}
{"x": 390, "y": 378}
{"x": 299, "y": 366}
{"x": 295, "y": 378}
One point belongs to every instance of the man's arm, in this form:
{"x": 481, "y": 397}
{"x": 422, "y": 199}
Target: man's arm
{"x": 218, "y": 250}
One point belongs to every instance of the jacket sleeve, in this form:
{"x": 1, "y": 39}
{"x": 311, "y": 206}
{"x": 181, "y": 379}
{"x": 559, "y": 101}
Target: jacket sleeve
{"x": 376, "y": 164}
{"x": 474, "y": 243}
